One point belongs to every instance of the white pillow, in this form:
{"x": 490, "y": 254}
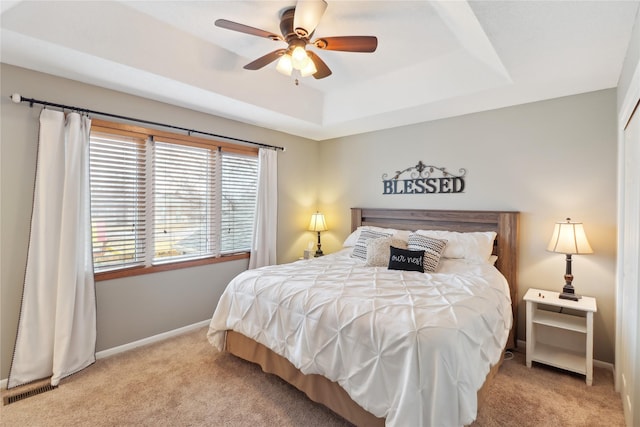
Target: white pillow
{"x": 353, "y": 237}
{"x": 471, "y": 246}
{"x": 402, "y": 235}
{"x": 379, "y": 250}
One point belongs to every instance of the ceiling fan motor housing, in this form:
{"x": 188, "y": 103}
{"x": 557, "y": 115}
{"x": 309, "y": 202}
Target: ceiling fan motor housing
{"x": 288, "y": 32}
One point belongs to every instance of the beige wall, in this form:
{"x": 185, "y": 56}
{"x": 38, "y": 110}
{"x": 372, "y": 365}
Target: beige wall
{"x": 548, "y": 160}
{"x": 137, "y": 307}
{"x": 631, "y": 60}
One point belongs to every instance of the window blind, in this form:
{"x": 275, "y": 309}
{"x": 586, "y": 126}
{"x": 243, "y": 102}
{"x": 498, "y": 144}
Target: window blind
{"x": 118, "y": 200}
{"x": 239, "y": 195}
{"x": 184, "y": 202}
{"x": 167, "y": 198}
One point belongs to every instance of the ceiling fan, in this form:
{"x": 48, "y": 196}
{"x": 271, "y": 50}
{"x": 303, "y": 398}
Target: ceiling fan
{"x": 297, "y": 25}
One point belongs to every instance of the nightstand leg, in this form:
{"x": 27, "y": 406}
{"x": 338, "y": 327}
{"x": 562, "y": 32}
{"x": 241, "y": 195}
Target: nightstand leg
{"x": 589, "y": 348}
{"x": 530, "y": 334}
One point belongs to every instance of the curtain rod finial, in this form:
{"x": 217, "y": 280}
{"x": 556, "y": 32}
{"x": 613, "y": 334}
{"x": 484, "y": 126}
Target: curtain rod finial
{"x": 16, "y": 98}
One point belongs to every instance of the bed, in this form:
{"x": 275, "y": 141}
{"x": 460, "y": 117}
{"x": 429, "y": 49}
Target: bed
{"x": 375, "y": 345}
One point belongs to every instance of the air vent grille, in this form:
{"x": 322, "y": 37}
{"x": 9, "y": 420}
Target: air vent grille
{"x": 12, "y": 398}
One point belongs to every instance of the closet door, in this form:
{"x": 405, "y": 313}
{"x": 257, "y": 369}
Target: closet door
{"x": 629, "y": 232}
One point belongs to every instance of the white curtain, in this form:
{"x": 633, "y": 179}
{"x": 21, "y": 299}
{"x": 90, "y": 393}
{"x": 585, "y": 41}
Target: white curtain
{"x": 263, "y": 250}
{"x": 57, "y": 326}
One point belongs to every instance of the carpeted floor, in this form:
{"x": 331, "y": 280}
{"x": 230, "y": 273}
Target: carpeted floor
{"x": 183, "y": 381}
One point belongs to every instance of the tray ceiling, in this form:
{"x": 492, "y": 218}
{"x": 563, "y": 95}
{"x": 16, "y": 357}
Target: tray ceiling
{"x": 434, "y": 59}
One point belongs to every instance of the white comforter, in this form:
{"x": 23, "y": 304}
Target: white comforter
{"x": 411, "y": 347}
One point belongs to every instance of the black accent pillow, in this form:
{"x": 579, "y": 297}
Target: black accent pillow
{"x": 404, "y": 259}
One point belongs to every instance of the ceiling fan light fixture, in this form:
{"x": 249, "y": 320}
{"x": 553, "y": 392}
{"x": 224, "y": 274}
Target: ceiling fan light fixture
{"x": 285, "y": 64}
{"x": 299, "y": 57}
{"x": 309, "y": 69}
{"x": 307, "y": 16}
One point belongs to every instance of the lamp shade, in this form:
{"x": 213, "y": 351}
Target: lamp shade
{"x": 285, "y": 65}
{"x": 307, "y": 16}
{"x": 309, "y": 69}
{"x": 317, "y": 222}
{"x": 569, "y": 238}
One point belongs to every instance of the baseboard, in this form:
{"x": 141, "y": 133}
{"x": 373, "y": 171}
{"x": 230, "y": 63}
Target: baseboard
{"x": 149, "y": 340}
{"x": 130, "y": 346}
{"x": 522, "y": 346}
{"x": 605, "y": 365}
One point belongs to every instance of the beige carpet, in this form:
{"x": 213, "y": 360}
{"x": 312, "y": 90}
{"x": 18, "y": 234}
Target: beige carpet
{"x": 183, "y": 381}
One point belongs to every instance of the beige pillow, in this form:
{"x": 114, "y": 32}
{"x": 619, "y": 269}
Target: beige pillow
{"x": 379, "y": 250}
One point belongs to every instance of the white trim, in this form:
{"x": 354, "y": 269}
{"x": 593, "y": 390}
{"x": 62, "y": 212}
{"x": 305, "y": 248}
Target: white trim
{"x": 149, "y": 340}
{"x": 130, "y": 346}
{"x": 606, "y": 365}
{"x": 631, "y": 97}
{"x": 522, "y": 347}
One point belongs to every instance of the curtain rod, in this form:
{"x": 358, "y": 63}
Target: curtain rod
{"x": 17, "y": 98}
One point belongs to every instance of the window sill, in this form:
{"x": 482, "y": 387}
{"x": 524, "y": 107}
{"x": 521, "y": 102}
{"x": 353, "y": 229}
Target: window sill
{"x": 136, "y": 271}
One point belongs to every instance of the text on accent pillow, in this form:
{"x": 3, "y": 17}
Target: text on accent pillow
{"x": 404, "y": 259}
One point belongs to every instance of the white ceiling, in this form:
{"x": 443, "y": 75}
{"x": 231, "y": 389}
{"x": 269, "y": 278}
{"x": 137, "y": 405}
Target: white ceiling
{"x": 435, "y": 59}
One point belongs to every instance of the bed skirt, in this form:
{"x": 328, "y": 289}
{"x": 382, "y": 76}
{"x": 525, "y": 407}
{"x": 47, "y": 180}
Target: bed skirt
{"x": 316, "y": 387}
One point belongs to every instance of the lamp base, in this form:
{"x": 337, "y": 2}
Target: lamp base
{"x": 319, "y": 250}
{"x": 568, "y": 291}
{"x": 572, "y": 297}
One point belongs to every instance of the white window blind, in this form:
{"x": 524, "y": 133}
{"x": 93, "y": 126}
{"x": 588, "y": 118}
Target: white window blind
{"x": 118, "y": 181}
{"x": 184, "y": 202}
{"x": 239, "y": 194}
{"x": 156, "y": 200}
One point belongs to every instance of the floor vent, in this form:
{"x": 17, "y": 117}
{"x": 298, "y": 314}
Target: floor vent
{"x": 8, "y": 399}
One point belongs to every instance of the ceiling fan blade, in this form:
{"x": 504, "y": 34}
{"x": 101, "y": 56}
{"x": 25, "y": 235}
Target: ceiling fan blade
{"x": 234, "y": 26}
{"x": 265, "y": 60}
{"x": 307, "y": 16}
{"x": 323, "y": 69}
{"x": 348, "y": 43}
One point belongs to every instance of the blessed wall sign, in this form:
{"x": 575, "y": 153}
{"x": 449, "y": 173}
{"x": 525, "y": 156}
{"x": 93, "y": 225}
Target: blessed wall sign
{"x": 424, "y": 179}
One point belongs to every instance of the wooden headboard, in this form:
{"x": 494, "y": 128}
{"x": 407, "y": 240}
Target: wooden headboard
{"x": 504, "y": 223}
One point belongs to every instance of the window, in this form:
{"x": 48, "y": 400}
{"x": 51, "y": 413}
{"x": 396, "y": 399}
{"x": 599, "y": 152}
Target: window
{"x": 159, "y": 199}
{"x": 118, "y": 200}
{"x": 239, "y": 192}
{"x": 184, "y": 202}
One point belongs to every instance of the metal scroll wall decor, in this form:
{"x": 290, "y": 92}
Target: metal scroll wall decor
{"x": 424, "y": 179}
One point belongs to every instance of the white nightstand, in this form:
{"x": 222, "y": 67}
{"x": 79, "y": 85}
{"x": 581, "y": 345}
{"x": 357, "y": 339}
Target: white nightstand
{"x": 557, "y": 354}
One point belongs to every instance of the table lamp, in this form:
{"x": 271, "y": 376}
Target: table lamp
{"x": 318, "y": 224}
{"x": 569, "y": 238}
